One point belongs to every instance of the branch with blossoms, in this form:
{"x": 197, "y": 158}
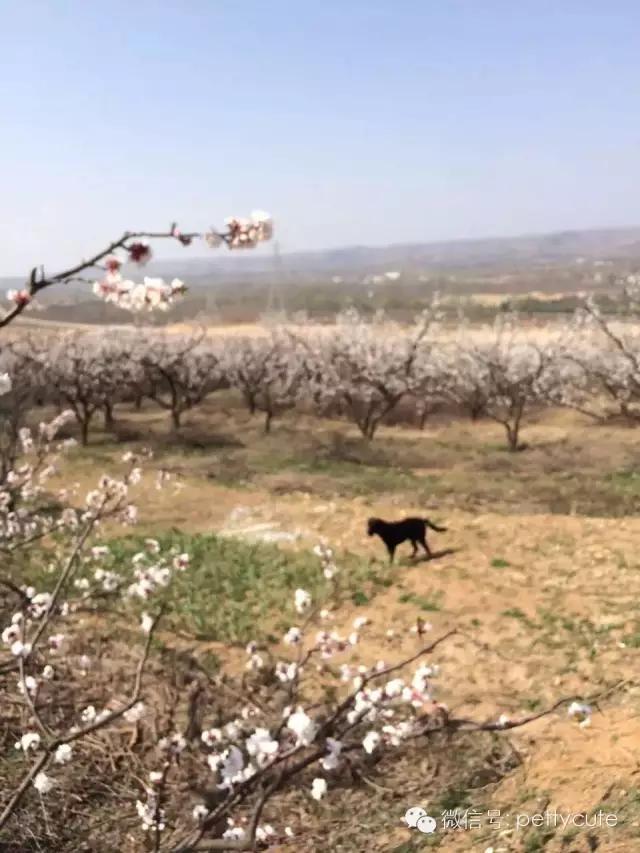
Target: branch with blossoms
{"x": 283, "y": 739}
{"x": 134, "y": 247}
{"x": 59, "y": 749}
{"x": 37, "y": 652}
{"x": 255, "y": 768}
{"x": 110, "y": 500}
{"x": 26, "y": 513}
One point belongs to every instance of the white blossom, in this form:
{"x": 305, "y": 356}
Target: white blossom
{"x": 332, "y": 759}
{"x": 5, "y": 383}
{"x": 42, "y": 783}
{"x": 89, "y": 714}
{"x": 318, "y": 788}
{"x": 63, "y": 753}
{"x": 581, "y": 713}
{"x": 302, "y": 726}
{"x": 146, "y": 623}
{"x": 174, "y": 743}
{"x": 20, "y": 649}
{"x": 135, "y": 713}
{"x": 10, "y": 634}
{"x": 181, "y": 561}
{"x": 30, "y": 683}
{"x": 210, "y": 737}
{"x": 371, "y": 741}
{"x": 261, "y": 746}
{"x": 293, "y": 636}
{"x": 199, "y": 812}
{"x": 286, "y": 671}
{"x": 152, "y": 545}
{"x": 29, "y": 740}
{"x": 56, "y": 641}
{"x": 263, "y": 833}
{"x": 232, "y": 767}
{"x": 302, "y": 600}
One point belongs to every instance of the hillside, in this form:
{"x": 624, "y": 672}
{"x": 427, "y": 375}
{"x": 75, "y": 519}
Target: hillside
{"x": 400, "y": 278}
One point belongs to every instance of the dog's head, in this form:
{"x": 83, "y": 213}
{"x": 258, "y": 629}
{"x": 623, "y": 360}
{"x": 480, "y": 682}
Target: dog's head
{"x": 372, "y": 526}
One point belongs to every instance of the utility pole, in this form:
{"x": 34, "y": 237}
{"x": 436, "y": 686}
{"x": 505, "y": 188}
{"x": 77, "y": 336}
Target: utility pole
{"x": 275, "y": 300}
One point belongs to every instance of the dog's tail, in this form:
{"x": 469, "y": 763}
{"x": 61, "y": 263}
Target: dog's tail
{"x": 435, "y": 526}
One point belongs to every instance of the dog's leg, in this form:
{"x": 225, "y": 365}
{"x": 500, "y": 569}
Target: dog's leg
{"x": 427, "y": 550}
{"x": 392, "y": 550}
{"x": 415, "y": 548}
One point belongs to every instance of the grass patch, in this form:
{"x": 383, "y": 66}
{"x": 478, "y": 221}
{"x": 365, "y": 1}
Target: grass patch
{"x": 515, "y": 613}
{"x": 353, "y": 479}
{"x": 424, "y": 602}
{"x": 627, "y": 482}
{"x": 234, "y": 591}
{"x": 537, "y": 840}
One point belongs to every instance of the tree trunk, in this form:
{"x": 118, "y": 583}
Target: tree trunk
{"x": 513, "y": 435}
{"x": 251, "y": 403}
{"x": 267, "y": 421}
{"x": 108, "y": 416}
{"x": 84, "y": 431}
{"x": 175, "y": 420}
{"x": 476, "y": 411}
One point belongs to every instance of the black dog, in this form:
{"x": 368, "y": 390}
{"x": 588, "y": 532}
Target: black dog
{"x": 393, "y": 533}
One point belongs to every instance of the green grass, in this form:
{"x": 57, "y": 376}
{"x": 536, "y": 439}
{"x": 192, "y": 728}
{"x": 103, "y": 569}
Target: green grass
{"x": 451, "y": 799}
{"x": 537, "y": 840}
{"x": 515, "y": 613}
{"x": 234, "y": 591}
{"x": 626, "y": 481}
{"x": 353, "y": 479}
{"x": 425, "y": 603}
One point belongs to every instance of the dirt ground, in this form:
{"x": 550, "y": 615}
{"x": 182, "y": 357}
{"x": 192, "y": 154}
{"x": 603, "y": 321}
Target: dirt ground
{"x": 544, "y": 601}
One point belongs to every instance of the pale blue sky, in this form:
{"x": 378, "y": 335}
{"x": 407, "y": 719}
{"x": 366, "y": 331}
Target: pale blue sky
{"x": 352, "y": 121}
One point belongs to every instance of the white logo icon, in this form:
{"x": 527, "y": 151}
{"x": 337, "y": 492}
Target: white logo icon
{"x": 413, "y": 815}
{"x": 416, "y": 817}
{"x": 426, "y": 824}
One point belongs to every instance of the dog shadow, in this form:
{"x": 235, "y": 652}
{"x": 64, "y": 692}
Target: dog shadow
{"x": 435, "y": 555}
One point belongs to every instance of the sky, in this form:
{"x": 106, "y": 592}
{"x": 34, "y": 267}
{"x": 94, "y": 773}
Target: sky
{"x": 354, "y": 122}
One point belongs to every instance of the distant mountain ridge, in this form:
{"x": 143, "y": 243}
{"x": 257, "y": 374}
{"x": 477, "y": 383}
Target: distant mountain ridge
{"x": 556, "y": 247}
{"x": 526, "y": 251}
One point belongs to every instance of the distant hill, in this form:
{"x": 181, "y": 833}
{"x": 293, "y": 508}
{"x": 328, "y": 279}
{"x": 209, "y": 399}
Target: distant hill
{"x": 494, "y": 252}
{"x": 562, "y": 247}
{"x": 239, "y": 287}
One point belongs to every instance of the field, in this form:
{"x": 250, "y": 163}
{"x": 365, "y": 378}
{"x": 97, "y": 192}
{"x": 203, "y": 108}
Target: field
{"x": 541, "y": 584}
